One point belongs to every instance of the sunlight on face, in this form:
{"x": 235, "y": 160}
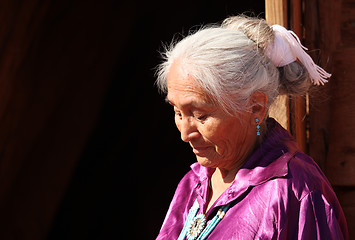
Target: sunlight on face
{"x": 217, "y": 138}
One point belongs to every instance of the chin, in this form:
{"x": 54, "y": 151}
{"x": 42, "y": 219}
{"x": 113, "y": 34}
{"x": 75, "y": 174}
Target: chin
{"x": 204, "y": 161}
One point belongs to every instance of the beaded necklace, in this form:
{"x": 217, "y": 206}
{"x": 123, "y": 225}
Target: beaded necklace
{"x": 194, "y": 227}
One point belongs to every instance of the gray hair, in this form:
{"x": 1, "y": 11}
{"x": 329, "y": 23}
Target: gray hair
{"x": 229, "y": 63}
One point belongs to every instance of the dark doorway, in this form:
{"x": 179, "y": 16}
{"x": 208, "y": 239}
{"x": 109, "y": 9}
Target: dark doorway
{"x": 134, "y": 159}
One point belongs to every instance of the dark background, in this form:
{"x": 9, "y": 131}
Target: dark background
{"x": 89, "y": 149}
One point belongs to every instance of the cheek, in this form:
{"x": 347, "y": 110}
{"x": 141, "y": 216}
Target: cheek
{"x": 214, "y": 132}
{"x": 239, "y": 140}
{"x": 227, "y": 144}
{"x": 226, "y": 137}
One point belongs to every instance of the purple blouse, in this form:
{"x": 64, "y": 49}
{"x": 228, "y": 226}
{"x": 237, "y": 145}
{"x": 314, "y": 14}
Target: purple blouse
{"x": 279, "y": 193}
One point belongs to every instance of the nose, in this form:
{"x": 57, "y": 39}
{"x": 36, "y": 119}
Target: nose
{"x": 188, "y": 130}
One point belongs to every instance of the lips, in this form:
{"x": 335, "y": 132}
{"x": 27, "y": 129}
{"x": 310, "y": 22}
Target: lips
{"x": 200, "y": 150}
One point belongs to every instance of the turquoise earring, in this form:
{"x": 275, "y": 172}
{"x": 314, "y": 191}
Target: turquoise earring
{"x": 257, "y": 127}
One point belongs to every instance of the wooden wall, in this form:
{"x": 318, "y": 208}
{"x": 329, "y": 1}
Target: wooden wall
{"x": 327, "y": 28}
{"x": 330, "y": 30}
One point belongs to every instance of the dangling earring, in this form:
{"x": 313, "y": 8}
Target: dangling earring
{"x": 257, "y": 126}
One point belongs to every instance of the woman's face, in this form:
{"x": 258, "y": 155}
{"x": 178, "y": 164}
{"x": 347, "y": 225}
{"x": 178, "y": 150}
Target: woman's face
{"x": 217, "y": 138}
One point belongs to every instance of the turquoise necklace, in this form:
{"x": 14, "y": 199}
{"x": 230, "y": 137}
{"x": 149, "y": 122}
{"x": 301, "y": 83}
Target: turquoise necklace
{"x": 194, "y": 227}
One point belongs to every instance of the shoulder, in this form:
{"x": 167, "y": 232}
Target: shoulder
{"x": 180, "y": 204}
{"x": 307, "y": 177}
{"x": 316, "y": 201}
{"x": 188, "y": 183}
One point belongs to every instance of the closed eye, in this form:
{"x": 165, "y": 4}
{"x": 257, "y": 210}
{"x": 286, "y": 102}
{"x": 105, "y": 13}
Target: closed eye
{"x": 202, "y": 118}
{"x": 177, "y": 113}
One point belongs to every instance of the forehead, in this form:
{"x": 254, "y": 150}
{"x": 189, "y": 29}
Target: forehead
{"x": 183, "y": 89}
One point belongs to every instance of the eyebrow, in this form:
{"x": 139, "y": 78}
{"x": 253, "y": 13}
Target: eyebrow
{"x": 192, "y": 103}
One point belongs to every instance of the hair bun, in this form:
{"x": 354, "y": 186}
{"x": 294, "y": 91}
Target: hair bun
{"x": 294, "y": 79}
{"x": 256, "y": 29}
{"x": 287, "y": 48}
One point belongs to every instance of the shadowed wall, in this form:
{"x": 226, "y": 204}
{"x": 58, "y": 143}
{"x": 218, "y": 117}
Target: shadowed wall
{"x": 88, "y": 147}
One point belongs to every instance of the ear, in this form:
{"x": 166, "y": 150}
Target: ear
{"x": 258, "y": 103}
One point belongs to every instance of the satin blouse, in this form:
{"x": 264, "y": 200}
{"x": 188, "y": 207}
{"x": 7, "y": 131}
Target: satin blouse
{"x": 279, "y": 193}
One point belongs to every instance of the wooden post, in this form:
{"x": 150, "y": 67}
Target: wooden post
{"x": 276, "y": 13}
{"x": 298, "y": 111}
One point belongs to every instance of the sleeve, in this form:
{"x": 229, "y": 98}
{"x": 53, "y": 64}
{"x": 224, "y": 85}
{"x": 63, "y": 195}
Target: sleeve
{"x": 318, "y": 220}
{"x": 178, "y": 210}
{"x": 173, "y": 219}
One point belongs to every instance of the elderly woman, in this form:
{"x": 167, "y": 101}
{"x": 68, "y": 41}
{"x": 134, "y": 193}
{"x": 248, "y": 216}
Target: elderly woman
{"x": 250, "y": 180}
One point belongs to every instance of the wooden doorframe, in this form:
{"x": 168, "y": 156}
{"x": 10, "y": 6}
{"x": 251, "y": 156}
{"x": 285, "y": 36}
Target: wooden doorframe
{"x": 291, "y": 112}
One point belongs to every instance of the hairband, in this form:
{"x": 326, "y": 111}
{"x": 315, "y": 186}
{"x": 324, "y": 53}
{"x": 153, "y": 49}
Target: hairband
{"x": 287, "y": 48}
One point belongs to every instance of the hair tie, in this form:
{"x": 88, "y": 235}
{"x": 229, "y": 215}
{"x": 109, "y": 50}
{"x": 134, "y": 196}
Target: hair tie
{"x": 287, "y": 48}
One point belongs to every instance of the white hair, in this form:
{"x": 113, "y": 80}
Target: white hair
{"x": 228, "y": 62}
